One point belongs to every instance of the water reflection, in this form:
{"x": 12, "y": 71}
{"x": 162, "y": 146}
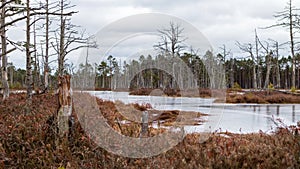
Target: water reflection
{"x": 263, "y": 116}
{"x": 293, "y": 114}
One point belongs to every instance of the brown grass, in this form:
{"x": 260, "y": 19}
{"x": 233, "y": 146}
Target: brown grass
{"x": 27, "y": 141}
{"x": 154, "y": 92}
{"x": 202, "y": 92}
{"x": 263, "y": 97}
{"x": 132, "y": 113}
{"x": 260, "y": 97}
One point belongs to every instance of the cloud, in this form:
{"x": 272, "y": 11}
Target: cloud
{"x": 95, "y": 14}
{"x": 221, "y": 22}
{"x": 137, "y": 34}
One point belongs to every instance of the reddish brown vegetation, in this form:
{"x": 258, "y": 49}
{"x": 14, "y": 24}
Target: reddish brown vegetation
{"x": 116, "y": 112}
{"x": 102, "y": 89}
{"x": 172, "y": 92}
{"x": 263, "y": 97}
{"x": 23, "y": 131}
{"x": 27, "y": 141}
{"x": 232, "y": 96}
{"x": 153, "y": 92}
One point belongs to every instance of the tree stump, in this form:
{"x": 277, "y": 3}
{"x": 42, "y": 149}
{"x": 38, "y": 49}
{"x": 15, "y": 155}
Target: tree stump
{"x": 144, "y": 131}
{"x": 65, "y": 107}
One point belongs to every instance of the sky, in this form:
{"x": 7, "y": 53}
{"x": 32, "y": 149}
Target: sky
{"x": 222, "y": 22}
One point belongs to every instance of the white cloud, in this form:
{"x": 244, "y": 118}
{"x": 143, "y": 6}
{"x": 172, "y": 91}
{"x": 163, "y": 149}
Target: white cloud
{"x": 220, "y": 21}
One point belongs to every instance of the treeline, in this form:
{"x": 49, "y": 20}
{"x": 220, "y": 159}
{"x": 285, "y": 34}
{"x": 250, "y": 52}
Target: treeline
{"x": 17, "y": 79}
{"x": 165, "y": 72}
{"x": 243, "y": 74}
{"x": 152, "y": 72}
{"x": 184, "y": 71}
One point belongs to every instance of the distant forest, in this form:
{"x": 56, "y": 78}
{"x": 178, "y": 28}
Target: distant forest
{"x": 238, "y": 72}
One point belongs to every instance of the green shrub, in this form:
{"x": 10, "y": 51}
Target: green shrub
{"x": 270, "y": 86}
{"x": 16, "y": 85}
{"x": 293, "y": 89}
{"x": 236, "y": 86}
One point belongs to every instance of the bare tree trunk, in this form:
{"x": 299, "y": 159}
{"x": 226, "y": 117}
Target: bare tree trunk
{"x": 286, "y": 78}
{"x": 255, "y": 61}
{"x": 46, "y": 64}
{"x": 65, "y": 108}
{"x": 223, "y": 61}
{"x": 4, "y": 55}
{"x": 257, "y": 82}
{"x": 267, "y": 61}
{"x": 231, "y": 73}
{"x": 86, "y": 72}
{"x": 62, "y": 41}
{"x": 254, "y": 75}
{"x": 268, "y": 64}
{"x": 11, "y": 75}
{"x": 144, "y": 131}
{"x": 36, "y": 81}
{"x": 292, "y": 45}
{"x": 28, "y": 55}
{"x": 289, "y": 18}
{"x": 277, "y": 67}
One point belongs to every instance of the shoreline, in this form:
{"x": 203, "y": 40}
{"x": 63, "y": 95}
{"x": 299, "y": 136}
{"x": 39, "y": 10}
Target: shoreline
{"x": 236, "y": 96}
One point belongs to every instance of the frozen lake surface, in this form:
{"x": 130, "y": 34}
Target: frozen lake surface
{"x": 238, "y": 118}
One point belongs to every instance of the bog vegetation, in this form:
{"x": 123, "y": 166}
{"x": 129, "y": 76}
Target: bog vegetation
{"x": 28, "y": 141}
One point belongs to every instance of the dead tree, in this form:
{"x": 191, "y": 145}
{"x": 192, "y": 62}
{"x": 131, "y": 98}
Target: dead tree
{"x": 277, "y": 68}
{"x": 46, "y": 57}
{"x": 224, "y": 54}
{"x": 6, "y": 12}
{"x": 268, "y": 62}
{"x": 68, "y": 37}
{"x": 258, "y": 61}
{"x": 31, "y": 12}
{"x": 172, "y": 40}
{"x": 29, "y": 82}
{"x": 51, "y": 9}
{"x": 171, "y": 45}
{"x": 10, "y": 11}
{"x": 28, "y": 46}
{"x": 4, "y": 54}
{"x": 36, "y": 64}
{"x": 61, "y": 51}
{"x": 248, "y": 48}
{"x": 288, "y": 18}
{"x": 65, "y": 107}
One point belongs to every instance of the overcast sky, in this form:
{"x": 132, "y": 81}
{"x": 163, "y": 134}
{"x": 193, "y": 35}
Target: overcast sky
{"x": 220, "y": 21}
